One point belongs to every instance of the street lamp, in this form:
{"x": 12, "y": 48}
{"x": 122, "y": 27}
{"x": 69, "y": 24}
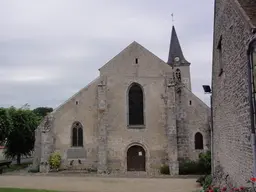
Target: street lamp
{"x": 208, "y": 90}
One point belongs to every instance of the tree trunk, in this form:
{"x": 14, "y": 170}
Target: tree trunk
{"x": 18, "y": 159}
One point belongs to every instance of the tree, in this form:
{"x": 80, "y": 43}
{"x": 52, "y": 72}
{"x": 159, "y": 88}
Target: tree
{"x": 21, "y": 136}
{"x": 5, "y": 124}
{"x": 42, "y": 111}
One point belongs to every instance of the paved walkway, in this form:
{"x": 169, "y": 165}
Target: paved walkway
{"x": 99, "y": 184}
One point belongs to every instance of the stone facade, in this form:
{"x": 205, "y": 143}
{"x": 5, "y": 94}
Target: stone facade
{"x": 172, "y": 116}
{"x": 232, "y": 151}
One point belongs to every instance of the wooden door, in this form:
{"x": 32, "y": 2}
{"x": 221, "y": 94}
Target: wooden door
{"x": 136, "y": 159}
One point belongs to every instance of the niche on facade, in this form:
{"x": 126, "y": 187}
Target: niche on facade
{"x": 178, "y": 75}
{"x": 102, "y": 106}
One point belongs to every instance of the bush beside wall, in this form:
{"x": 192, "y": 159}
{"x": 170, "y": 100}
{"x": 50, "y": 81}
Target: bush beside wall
{"x": 200, "y": 167}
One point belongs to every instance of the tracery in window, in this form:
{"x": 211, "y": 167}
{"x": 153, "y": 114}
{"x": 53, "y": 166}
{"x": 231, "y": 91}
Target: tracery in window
{"x": 77, "y": 135}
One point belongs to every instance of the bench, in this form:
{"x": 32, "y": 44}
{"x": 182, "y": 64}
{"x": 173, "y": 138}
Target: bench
{"x": 4, "y": 163}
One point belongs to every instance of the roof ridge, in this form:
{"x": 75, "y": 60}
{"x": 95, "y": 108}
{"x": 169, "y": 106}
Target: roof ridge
{"x": 74, "y": 95}
{"x": 196, "y": 96}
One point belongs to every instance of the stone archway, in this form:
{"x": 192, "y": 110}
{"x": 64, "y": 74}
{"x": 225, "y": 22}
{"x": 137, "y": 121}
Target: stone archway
{"x": 136, "y": 158}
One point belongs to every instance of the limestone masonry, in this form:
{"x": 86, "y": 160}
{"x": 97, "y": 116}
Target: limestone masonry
{"x": 234, "y": 30}
{"x": 139, "y": 114}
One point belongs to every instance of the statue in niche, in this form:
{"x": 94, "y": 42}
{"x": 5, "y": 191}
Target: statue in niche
{"x": 47, "y": 123}
{"x": 178, "y": 75}
{"x": 102, "y": 105}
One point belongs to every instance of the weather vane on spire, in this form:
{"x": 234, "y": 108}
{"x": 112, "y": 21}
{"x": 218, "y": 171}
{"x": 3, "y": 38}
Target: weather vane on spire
{"x": 172, "y": 18}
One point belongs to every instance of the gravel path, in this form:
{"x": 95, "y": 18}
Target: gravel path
{"x": 99, "y": 184}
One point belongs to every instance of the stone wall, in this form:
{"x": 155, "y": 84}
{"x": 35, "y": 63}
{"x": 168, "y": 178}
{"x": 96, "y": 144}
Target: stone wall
{"x": 193, "y": 117}
{"x": 149, "y": 73}
{"x": 231, "y": 116}
{"x": 2, "y": 154}
{"x": 82, "y": 108}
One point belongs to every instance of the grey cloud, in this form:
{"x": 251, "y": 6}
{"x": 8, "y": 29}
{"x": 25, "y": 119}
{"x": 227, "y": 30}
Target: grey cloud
{"x": 51, "y": 49}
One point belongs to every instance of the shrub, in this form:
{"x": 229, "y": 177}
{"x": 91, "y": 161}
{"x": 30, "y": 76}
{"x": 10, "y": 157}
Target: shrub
{"x": 201, "y": 180}
{"x": 201, "y": 167}
{"x": 188, "y": 167}
{"x": 164, "y": 169}
{"x": 55, "y": 160}
{"x": 207, "y": 182}
{"x": 205, "y": 162}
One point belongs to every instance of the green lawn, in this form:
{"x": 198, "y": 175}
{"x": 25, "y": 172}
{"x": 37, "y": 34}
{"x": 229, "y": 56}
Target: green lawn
{"x": 22, "y": 190}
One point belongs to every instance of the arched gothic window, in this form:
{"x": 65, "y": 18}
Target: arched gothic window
{"x": 77, "y": 135}
{"x": 136, "y": 107}
{"x": 199, "y": 144}
{"x": 178, "y": 74}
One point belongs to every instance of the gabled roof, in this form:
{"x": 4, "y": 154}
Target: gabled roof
{"x": 131, "y": 46}
{"x": 249, "y": 7}
{"x": 175, "y": 50}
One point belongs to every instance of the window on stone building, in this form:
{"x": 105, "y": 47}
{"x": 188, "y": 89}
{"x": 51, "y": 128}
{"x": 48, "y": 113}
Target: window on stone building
{"x": 77, "y": 135}
{"x": 136, "y": 107}
{"x": 219, "y": 47}
{"x": 178, "y": 74}
{"x": 199, "y": 144}
{"x": 136, "y": 60}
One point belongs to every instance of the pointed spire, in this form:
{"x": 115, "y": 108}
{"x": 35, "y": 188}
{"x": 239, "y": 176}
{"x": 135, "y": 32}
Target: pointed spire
{"x": 175, "y": 53}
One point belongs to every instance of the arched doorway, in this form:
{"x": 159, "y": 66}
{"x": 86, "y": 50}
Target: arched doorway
{"x": 136, "y": 158}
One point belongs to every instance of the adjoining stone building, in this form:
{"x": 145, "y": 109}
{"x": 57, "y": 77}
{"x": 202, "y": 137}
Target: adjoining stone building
{"x": 137, "y": 115}
{"x": 233, "y": 87}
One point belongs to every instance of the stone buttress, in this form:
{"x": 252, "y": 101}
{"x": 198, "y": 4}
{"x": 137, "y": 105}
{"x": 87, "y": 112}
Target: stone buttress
{"x": 102, "y": 125}
{"x": 172, "y": 149}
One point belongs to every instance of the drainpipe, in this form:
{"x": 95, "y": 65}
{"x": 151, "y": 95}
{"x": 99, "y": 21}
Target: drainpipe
{"x": 212, "y": 165}
{"x": 252, "y": 108}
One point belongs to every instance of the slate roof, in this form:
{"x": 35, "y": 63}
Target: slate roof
{"x": 175, "y": 50}
{"x": 249, "y": 6}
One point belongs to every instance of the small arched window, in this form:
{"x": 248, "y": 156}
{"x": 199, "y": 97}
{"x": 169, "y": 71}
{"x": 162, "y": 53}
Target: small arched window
{"x": 77, "y": 135}
{"x": 199, "y": 144}
{"x": 135, "y": 105}
{"x": 178, "y": 74}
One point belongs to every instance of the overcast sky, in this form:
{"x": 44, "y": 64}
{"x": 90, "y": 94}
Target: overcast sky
{"x": 50, "y": 49}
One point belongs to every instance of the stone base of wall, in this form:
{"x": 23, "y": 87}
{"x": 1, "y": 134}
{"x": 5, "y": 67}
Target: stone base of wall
{"x": 44, "y": 168}
{"x": 92, "y": 166}
{"x": 220, "y": 178}
{"x": 174, "y": 167}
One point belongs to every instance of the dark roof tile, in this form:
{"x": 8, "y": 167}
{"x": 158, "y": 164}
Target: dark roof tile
{"x": 175, "y": 50}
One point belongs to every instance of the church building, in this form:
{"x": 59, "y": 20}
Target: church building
{"x": 139, "y": 114}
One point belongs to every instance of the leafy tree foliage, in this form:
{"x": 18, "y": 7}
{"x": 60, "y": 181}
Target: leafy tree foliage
{"x": 5, "y": 125}
{"x": 42, "y": 111}
{"x": 21, "y": 135}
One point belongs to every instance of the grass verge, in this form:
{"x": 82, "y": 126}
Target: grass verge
{"x": 23, "y": 190}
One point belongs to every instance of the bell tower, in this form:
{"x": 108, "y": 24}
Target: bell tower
{"x": 177, "y": 60}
